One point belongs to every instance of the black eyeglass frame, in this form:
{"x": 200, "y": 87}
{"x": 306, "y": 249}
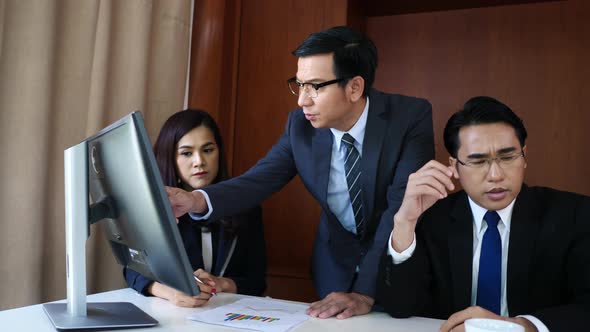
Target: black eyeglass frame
{"x": 489, "y": 161}
{"x": 315, "y": 86}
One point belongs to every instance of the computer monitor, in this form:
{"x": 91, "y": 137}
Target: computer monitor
{"x": 112, "y": 178}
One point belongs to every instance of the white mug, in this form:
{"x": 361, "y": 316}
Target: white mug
{"x": 491, "y": 325}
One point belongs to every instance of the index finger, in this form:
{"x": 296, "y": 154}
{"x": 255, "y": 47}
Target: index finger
{"x": 205, "y": 277}
{"x": 437, "y": 165}
{"x": 316, "y": 304}
{"x": 325, "y": 309}
{"x": 434, "y": 177}
{"x": 206, "y": 288}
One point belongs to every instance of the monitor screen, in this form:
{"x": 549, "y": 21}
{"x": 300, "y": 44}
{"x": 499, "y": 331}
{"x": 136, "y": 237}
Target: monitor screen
{"x": 127, "y": 195}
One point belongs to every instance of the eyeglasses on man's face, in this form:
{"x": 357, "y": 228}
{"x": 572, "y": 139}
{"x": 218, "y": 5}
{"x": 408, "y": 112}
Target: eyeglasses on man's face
{"x": 505, "y": 161}
{"x": 311, "y": 89}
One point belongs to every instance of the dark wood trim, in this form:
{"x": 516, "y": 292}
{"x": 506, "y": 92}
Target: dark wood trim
{"x": 390, "y": 7}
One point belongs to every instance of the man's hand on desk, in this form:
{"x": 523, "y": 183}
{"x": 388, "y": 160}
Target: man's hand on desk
{"x": 342, "y": 305}
{"x": 456, "y": 320}
{"x": 183, "y": 201}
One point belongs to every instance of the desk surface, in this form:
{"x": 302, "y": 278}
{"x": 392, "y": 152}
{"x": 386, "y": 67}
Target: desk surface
{"x": 172, "y": 318}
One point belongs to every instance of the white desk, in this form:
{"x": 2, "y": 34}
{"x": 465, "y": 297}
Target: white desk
{"x": 172, "y": 318}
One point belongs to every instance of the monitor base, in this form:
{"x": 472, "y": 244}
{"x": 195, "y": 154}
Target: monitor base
{"x": 99, "y": 315}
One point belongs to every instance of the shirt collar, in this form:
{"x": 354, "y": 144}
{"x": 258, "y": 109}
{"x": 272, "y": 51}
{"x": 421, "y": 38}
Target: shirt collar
{"x": 479, "y": 212}
{"x": 357, "y": 131}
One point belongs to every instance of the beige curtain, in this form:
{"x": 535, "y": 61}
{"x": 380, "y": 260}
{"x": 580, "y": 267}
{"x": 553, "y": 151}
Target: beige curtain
{"x": 67, "y": 69}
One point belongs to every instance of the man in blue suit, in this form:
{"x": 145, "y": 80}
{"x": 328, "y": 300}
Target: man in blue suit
{"x": 353, "y": 147}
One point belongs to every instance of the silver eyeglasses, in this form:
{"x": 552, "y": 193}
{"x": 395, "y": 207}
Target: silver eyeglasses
{"x": 504, "y": 161}
{"x": 311, "y": 89}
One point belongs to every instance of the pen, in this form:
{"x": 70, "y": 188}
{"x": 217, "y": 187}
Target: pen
{"x": 213, "y": 293}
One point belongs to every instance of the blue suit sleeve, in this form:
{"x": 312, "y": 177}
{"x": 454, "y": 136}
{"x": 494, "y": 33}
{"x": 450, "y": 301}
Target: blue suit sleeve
{"x": 248, "y": 190}
{"x": 137, "y": 281}
{"x": 417, "y": 150}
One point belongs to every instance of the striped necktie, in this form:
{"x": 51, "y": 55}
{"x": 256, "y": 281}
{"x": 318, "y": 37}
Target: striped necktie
{"x": 352, "y": 169}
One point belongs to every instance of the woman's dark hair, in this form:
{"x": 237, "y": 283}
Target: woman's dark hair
{"x": 178, "y": 125}
{"x": 478, "y": 111}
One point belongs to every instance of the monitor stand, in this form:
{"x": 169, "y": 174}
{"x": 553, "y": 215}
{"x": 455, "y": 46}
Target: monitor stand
{"x": 99, "y": 315}
{"x": 76, "y": 313}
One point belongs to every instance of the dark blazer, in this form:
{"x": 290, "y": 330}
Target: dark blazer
{"x": 247, "y": 265}
{"x": 548, "y": 272}
{"x": 398, "y": 140}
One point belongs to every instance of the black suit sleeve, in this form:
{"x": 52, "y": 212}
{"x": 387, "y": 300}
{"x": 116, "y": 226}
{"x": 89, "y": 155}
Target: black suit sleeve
{"x": 574, "y": 316}
{"x": 403, "y": 289}
{"x": 417, "y": 150}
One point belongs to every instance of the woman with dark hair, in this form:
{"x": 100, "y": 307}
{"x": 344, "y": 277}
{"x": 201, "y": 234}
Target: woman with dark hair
{"x": 228, "y": 255}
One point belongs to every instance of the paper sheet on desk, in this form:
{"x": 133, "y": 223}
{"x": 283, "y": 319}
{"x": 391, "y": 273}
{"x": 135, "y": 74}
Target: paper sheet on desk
{"x": 260, "y": 314}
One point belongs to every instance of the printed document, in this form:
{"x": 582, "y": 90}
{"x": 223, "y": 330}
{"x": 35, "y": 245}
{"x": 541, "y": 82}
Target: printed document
{"x": 259, "y": 314}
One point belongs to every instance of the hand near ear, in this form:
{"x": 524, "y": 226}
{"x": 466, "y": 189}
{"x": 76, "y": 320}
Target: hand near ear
{"x": 426, "y": 186}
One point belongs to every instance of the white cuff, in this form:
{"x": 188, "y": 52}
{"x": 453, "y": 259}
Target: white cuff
{"x": 199, "y": 216}
{"x": 400, "y": 257}
{"x": 538, "y": 324}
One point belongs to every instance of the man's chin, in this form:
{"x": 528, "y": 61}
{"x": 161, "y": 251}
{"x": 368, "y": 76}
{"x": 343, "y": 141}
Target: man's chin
{"x": 317, "y": 124}
{"x": 495, "y": 205}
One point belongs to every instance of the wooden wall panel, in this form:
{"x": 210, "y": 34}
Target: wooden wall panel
{"x": 214, "y": 63}
{"x": 533, "y": 57}
{"x": 270, "y": 30}
{"x": 206, "y": 55}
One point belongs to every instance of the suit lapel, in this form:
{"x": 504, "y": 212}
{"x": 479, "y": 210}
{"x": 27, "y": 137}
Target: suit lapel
{"x": 524, "y": 229}
{"x": 222, "y": 250}
{"x": 461, "y": 252}
{"x": 372, "y": 144}
{"x": 322, "y": 155}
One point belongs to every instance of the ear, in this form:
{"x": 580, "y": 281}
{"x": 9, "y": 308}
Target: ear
{"x": 525, "y": 154}
{"x": 355, "y": 88}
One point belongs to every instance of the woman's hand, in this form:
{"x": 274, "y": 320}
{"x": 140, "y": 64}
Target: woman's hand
{"x": 215, "y": 284}
{"x": 176, "y": 297}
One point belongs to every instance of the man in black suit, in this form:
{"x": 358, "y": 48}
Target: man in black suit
{"x": 342, "y": 122}
{"x": 497, "y": 249}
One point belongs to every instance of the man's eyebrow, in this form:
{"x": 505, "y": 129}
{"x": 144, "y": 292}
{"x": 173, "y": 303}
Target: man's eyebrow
{"x": 486, "y": 155}
{"x": 506, "y": 150}
{"x": 313, "y": 80}
{"x": 478, "y": 155}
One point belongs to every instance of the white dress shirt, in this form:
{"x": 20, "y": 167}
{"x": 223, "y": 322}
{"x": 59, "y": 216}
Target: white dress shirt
{"x": 479, "y": 228}
{"x": 207, "y": 250}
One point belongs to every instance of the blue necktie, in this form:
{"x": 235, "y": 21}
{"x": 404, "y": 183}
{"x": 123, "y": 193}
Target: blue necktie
{"x": 489, "y": 289}
{"x": 352, "y": 169}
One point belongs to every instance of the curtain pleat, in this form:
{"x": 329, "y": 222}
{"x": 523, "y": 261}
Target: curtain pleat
{"x": 68, "y": 69}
